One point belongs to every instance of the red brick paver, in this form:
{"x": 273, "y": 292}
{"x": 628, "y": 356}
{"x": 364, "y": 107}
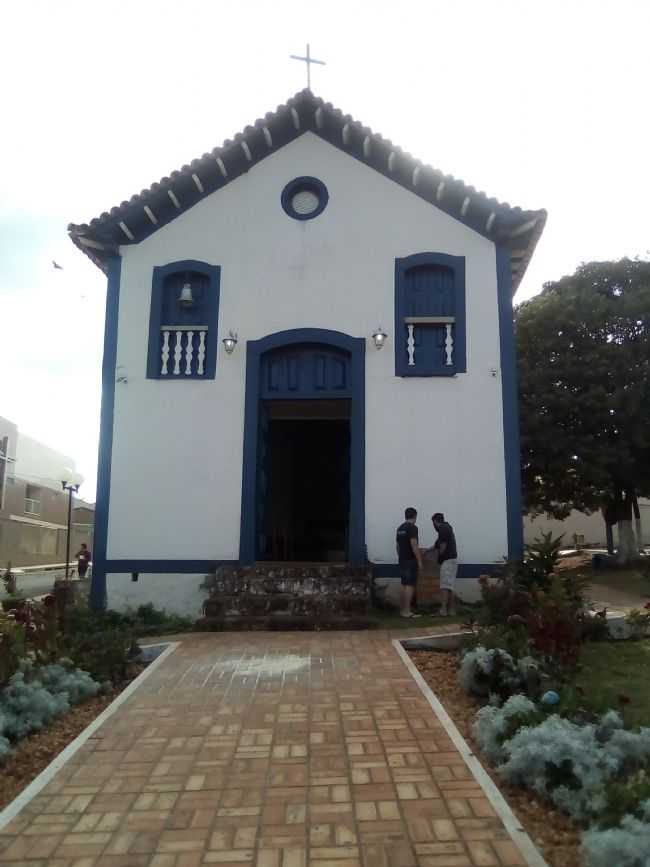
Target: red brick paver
{"x": 268, "y": 750}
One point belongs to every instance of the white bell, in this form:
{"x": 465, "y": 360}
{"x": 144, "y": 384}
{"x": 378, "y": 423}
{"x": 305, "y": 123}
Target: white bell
{"x": 185, "y": 299}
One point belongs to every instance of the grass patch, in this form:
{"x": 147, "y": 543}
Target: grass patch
{"x": 391, "y": 619}
{"x": 614, "y": 669}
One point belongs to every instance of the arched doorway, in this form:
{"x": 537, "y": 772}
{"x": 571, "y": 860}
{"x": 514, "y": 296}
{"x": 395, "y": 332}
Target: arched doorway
{"x": 303, "y": 474}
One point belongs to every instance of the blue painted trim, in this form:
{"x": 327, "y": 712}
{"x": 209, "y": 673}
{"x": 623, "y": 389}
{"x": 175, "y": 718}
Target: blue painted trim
{"x": 510, "y": 401}
{"x": 465, "y": 570}
{"x": 457, "y": 265}
{"x": 356, "y": 347}
{"x": 160, "y": 273}
{"x": 195, "y": 567}
{"x": 298, "y": 185}
{"x": 98, "y": 582}
{"x": 167, "y": 566}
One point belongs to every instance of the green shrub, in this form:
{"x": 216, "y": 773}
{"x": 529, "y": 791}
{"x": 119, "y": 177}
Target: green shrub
{"x": 36, "y": 695}
{"x": 494, "y": 672}
{"x": 625, "y": 846}
{"x": 12, "y": 646}
{"x": 512, "y": 638}
{"x": 153, "y": 621}
{"x": 495, "y": 725}
{"x": 574, "y": 765}
{"x": 539, "y": 562}
{"x": 624, "y": 798}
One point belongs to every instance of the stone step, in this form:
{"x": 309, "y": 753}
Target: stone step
{"x": 249, "y": 605}
{"x": 277, "y": 596}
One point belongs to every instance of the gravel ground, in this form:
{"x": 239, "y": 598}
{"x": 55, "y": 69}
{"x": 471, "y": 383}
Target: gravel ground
{"x": 557, "y": 838}
{"x": 32, "y": 755}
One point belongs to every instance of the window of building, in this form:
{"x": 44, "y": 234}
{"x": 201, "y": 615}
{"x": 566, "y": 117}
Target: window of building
{"x": 183, "y": 322}
{"x": 430, "y": 315}
{"x": 304, "y": 198}
{"x": 32, "y": 500}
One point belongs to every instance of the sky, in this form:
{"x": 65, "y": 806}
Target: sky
{"x": 538, "y": 104}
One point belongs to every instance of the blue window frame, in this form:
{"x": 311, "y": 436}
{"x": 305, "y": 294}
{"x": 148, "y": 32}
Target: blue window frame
{"x": 183, "y": 321}
{"x": 304, "y": 198}
{"x": 430, "y": 315}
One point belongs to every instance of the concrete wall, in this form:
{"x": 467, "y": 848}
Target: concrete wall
{"x": 176, "y": 594}
{"x": 32, "y": 544}
{"x": 177, "y": 450}
{"x": 591, "y": 526}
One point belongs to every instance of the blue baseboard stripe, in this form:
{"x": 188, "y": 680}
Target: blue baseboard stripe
{"x": 162, "y": 567}
{"x": 465, "y": 570}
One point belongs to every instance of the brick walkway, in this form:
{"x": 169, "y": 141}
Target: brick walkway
{"x": 274, "y": 750}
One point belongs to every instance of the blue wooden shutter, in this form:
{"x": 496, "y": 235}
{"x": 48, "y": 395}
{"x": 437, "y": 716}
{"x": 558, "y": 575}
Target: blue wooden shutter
{"x": 430, "y": 298}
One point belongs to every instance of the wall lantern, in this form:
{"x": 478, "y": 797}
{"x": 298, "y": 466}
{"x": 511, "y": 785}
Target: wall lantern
{"x": 230, "y": 342}
{"x": 185, "y": 299}
{"x": 379, "y": 337}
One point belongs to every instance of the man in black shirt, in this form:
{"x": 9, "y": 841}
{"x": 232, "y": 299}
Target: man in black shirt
{"x": 410, "y": 558}
{"x": 448, "y": 559}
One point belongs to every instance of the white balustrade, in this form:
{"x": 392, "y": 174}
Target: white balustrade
{"x": 201, "y": 353}
{"x": 449, "y": 345}
{"x": 430, "y": 322}
{"x": 188, "y": 353}
{"x": 183, "y": 352}
{"x": 177, "y": 353}
{"x": 165, "y": 353}
{"x": 410, "y": 345}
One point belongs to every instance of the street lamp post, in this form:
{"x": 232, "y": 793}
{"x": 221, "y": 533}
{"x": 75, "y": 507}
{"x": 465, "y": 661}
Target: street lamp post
{"x": 71, "y": 485}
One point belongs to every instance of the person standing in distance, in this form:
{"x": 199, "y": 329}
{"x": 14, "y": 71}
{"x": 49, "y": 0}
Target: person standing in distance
{"x": 448, "y": 559}
{"x": 410, "y": 559}
{"x": 83, "y": 559}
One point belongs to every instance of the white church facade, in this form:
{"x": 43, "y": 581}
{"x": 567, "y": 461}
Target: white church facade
{"x": 307, "y": 330}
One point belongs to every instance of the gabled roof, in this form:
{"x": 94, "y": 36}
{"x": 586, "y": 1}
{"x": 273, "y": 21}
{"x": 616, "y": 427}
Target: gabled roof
{"x": 146, "y": 212}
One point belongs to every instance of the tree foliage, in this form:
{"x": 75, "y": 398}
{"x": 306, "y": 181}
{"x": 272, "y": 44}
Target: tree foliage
{"x": 584, "y": 379}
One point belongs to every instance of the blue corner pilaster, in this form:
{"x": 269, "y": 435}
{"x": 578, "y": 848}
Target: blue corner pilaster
{"x": 98, "y": 583}
{"x": 510, "y": 399}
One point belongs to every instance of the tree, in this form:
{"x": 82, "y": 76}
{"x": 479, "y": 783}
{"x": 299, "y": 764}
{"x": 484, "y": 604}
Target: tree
{"x": 584, "y": 380}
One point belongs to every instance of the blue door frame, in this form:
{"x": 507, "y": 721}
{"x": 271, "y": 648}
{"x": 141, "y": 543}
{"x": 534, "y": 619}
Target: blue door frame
{"x": 355, "y": 348}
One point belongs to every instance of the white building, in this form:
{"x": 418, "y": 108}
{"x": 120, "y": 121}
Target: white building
{"x": 307, "y": 237}
{"x": 590, "y": 529}
{"x": 33, "y": 505}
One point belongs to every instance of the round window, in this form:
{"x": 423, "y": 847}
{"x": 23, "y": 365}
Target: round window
{"x": 304, "y": 198}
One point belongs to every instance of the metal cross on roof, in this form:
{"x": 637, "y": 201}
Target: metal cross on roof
{"x": 308, "y": 60}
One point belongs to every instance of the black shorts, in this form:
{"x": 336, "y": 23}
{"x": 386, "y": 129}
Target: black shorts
{"x": 408, "y": 571}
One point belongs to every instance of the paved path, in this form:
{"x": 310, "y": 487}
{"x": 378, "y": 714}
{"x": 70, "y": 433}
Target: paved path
{"x": 269, "y": 750}
{"x": 610, "y": 596}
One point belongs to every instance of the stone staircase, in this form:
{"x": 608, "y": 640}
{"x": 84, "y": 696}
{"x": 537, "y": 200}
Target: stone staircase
{"x": 287, "y": 596}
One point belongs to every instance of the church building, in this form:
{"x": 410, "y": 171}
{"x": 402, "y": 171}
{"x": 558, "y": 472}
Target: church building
{"x": 307, "y": 330}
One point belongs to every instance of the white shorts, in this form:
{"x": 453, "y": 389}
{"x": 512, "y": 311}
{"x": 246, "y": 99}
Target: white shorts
{"x": 448, "y": 572}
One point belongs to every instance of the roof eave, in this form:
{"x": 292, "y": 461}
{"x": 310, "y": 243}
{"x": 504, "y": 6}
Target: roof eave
{"x": 146, "y": 212}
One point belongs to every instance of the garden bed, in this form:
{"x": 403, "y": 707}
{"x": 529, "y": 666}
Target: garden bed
{"x": 556, "y": 836}
{"x": 33, "y": 754}
{"x": 30, "y": 756}
{"x": 60, "y": 669}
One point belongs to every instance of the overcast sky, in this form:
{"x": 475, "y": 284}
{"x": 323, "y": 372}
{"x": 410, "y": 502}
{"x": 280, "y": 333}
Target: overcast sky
{"x": 538, "y": 104}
